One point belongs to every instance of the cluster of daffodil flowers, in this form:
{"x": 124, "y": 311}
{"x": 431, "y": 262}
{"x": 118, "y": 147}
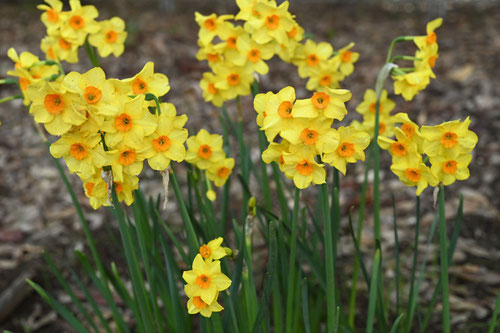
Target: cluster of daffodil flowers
{"x": 68, "y": 30}
{"x": 447, "y": 147}
{"x": 205, "y": 280}
{"x": 301, "y": 135}
{"x": 106, "y": 124}
{"x": 408, "y": 82}
{"x": 206, "y": 153}
{"x": 268, "y": 29}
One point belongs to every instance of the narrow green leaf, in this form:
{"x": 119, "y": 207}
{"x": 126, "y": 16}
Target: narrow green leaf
{"x": 373, "y": 293}
{"x": 305, "y": 307}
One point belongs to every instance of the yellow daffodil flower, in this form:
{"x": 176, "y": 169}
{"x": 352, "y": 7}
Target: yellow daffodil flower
{"x": 204, "y": 149}
{"x": 409, "y": 84}
{"x": 167, "y": 142}
{"x": 53, "y": 16}
{"x": 212, "y": 94}
{"x": 80, "y": 22}
{"x": 415, "y": 173}
{"x": 449, "y": 136}
{"x": 347, "y": 59}
{"x": 57, "y": 48}
{"x": 124, "y": 189}
{"x": 237, "y": 80}
{"x": 451, "y": 166}
{"x": 431, "y": 37}
{"x": 52, "y": 106}
{"x": 211, "y": 26}
{"x": 351, "y": 148}
{"x": 309, "y": 57}
{"x": 213, "y": 250}
{"x": 316, "y": 133}
{"x": 96, "y": 190}
{"x": 110, "y": 37}
{"x": 196, "y": 305}
{"x": 131, "y": 124}
{"x": 367, "y": 106}
{"x": 219, "y": 171}
{"x": 301, "y": 166}
{"x": 147, "y": 81}
{"x": 330, "y": 104}
{"x": 205, "y": 280}
{"x": 271, "y": 23}
{"x": 275, "y": 152}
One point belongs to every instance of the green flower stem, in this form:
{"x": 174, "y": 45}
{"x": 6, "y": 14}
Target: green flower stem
{"x": 292, "y": 263}
{"x": 403, "y": 57}
{"x": 91, "y": 53}
{"x": 394, "y": 42}
{"x": 413, "y": 270}
{"x": 10, "y": 98}
{"x": 443, "y": 240}
{"x": 8, "y": 81}
{"x": 152, "y": 97}
{"x": 373, "y": 292}
{"x": 191, "y": 234}
{"x": 329, "y": 260}
{"x": 376, "y": 170}
{"x": 359, "y": 228}
{"x": 493, "y": 322}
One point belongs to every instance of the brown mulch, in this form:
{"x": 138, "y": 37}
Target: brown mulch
{"x": 36, "y": 212}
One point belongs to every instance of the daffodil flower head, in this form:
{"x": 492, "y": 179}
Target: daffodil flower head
{"x": 347, "y": 59}
{"x": 211, "y": 26}
{"x": 53, "y": 17}
{"x": 309, "y": 57}
{"x": 326, "y": 76}
{"x": 219, "y": 171}
{"x": 352, "y": 144}
{"x": 205, "y": 280}
{"x": 131, "y": 124}
{"x": 401, "y": 149}
{"x": 212, "y": 53}
{"x": 275, "y": 152}
{"x": 408, "y": 85}
{"x": 216, "y": 96}
{"x": 431, "y": 37}
{"x": 415, "y": 173}
{"x": 316, "y": 133}
{"x": 449, "y": 138}
{"x": 96, "y": 190}
{"x": 301, "y": 166}
{"x": 204, "y": 149}
{"x": 110, "y": 38}
{"x": 24, "y": 60}
{"x": 329, "y": 103}
{"x": 253, "y": 54}
{"x": 57, "y": 48}
{"x": 124, "y": 160}
{"x": 196, "y": 305}
{"x": 451, "y": 166}
{"x": 271, "y": 23}
{"x": 167, "y": 142}
{"x": 124, "y": 189}
{"x": 213, "y": 250}
{"x": 147, "y": 81}
{"x": 79, "y": 152}
{"x": 80, "y": 22}
{"x": 235, "y": 80}
{"x": 279, "y": 112}
{"x": 259, "y": 104}
{"x": 367, "y": 106}
{"x": 52, "y": 106}
{"x": 95, "y": 91}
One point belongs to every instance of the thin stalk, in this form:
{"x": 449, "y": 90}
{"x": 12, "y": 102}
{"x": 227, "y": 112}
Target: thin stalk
{"x": 403, "y": 57}
{"x": 359, "y": 228}
{"x": 291, "y": 263}
{"x": 493, "y": 322}
{"x": 191, "y": 234}
{"x": 8, "y": 81}
{"x": 413, "y": 269}
{"x": 443, "y": 240}
{"x": 10, "y": 98}
{"x": 376, "y": 180}
{"x": 92, "y": 56}
{"x": 396, "y": 241}
{"x": 394, "y": 42}
{"x": 330, "y": 268}
{"x": 373, "y": 292}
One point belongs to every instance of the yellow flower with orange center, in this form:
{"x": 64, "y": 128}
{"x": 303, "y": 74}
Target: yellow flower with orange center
{"x": 205, "y": 280}
{"x": 309, "y": 56}
{"x": 96, "y": 92}
{"x": 350, "y": 149}
{"x": 270, "y": 23}
{"x": 53, "y": 17}
{"x": 252, "y": 54}
{"x": 211, "y": 26}
{"x": 316, "y": 133}
{"x": 79, "y": 152}
{"x": 57, "y": 48}
{"x": 110, "y": 38}
{"x": 147, "y": 81}
{"x": 329, "y": 103}
{"x": 367, "y": 106}
{"x": 124, "y": 160}
{"x": 403, "y": 149}
{"x": 132, "y": 123}
{"x": 204, "y": 149}
{"x": 213, "y": 250}
{"x": 450, "y": 167}
{"x": 167, "y": 142}
{"x": 347, "y": 59}
{"x": 124, "y": 189}
{"x": 196, "y": 305}
{"x": 80, "y": 22}
{"x": 212, "y": 94}
{"x": 301, "y": 166}
{"x": 326, "y": 76}
{"x": 96, "y": 190}
{"x": 219, "y": 171}
{"x": 414, "y": 172}
{"x": 52, "y": 106}
{"x": 409, "y": 85}
{"x": 234, "y": 80}
{"x": 451, "y": 137}
{"x": 431, "y": 38}
{"x": 275, "y": 152}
